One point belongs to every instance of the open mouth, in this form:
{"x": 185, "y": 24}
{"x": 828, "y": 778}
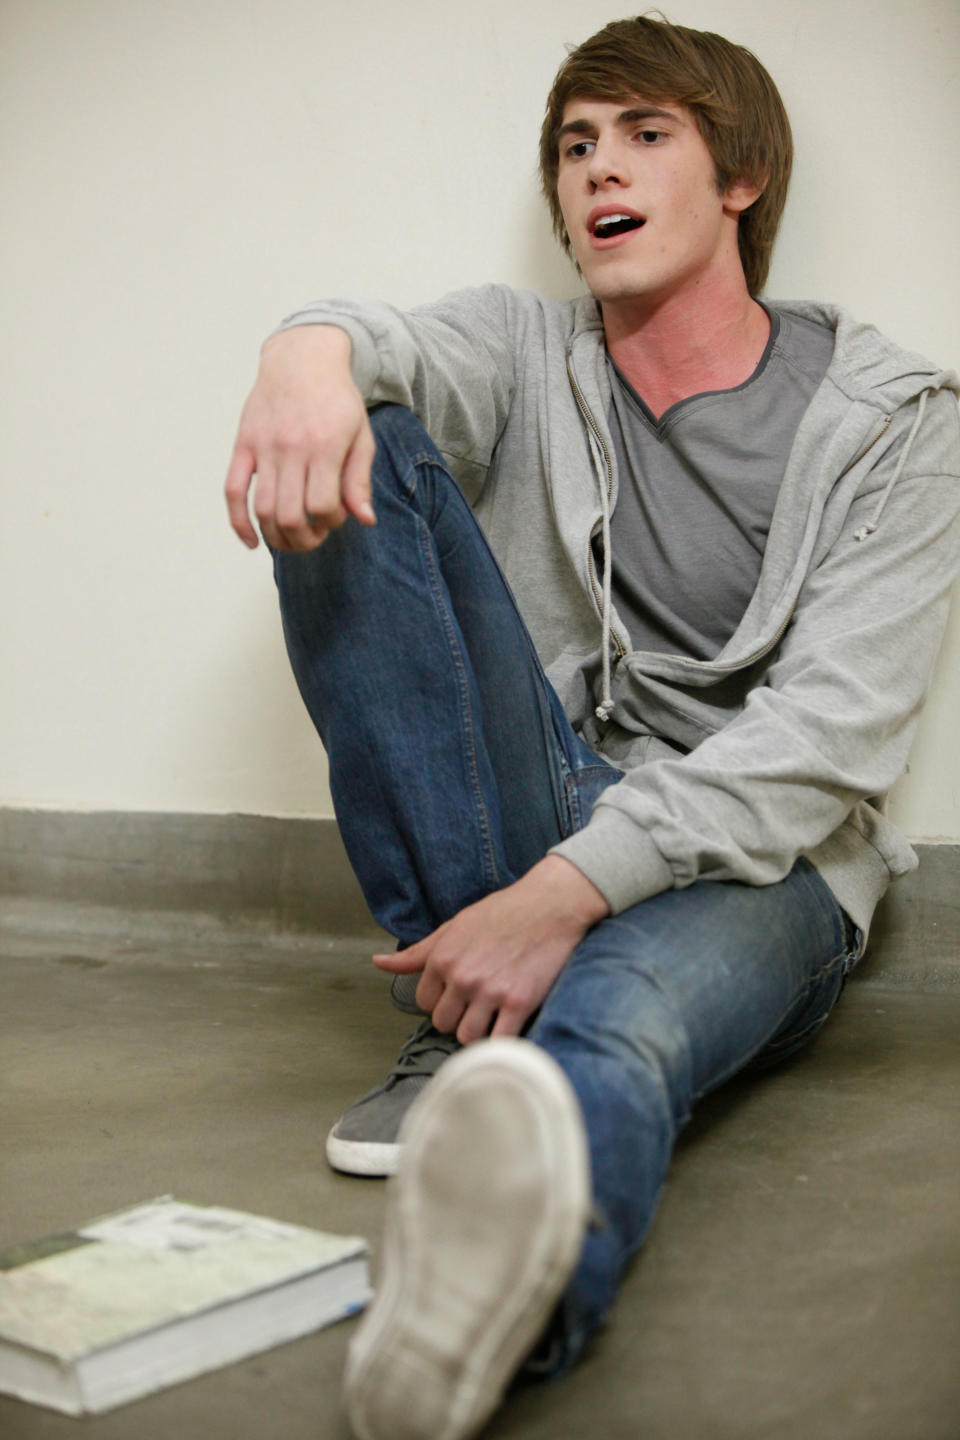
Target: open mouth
{"x": 607, "y": 226}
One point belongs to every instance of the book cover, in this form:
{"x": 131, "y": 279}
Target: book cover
{"x": 144, "y": 1298}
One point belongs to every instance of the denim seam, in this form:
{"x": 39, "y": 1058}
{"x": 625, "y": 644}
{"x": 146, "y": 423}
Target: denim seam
{"x": 492, "y": 876}
{"x": 567, "y": 776}
{"x": 789, "y": 1041}
{"x": 771, "y": 1045}
{"x": 572, "y": 817}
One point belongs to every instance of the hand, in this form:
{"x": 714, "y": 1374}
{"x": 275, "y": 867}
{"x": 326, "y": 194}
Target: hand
{"x": 493, "y": 963}
{"x": 305, "y": 435}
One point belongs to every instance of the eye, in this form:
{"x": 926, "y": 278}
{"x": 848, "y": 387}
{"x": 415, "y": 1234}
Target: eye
{"x": 579, "y": 149}
{"x": 649, "y": 137}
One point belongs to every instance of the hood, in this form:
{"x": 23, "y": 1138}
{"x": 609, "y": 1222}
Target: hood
{"x": 867, "y": 367}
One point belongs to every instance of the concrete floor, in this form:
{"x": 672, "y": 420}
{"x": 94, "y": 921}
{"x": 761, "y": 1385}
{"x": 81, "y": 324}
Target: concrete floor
{"x": 802, "y": 1281}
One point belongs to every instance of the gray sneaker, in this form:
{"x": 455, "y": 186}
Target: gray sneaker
{"x": 364, "y": 1139}
{"x": 403, "y": 993}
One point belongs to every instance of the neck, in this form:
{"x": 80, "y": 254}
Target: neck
{"x": 682, "y": 347}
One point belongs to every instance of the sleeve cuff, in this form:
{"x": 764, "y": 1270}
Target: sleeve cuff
{"x": 621, "y": 860}
{"x": 364, "y": 360}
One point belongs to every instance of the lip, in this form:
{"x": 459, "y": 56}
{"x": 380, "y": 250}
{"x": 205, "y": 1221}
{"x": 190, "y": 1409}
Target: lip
{"x": 611, "y": 241}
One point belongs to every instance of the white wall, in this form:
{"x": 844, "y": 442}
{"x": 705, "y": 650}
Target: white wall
{"x": 176, "y": 174}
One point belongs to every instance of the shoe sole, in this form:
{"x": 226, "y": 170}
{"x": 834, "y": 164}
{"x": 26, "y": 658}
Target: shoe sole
{"x": 362, "y": 1157}
{"x": 406, "y": 1381}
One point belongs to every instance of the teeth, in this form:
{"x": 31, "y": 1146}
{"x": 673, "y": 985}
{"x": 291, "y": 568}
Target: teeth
{"x": 611, "y": 222}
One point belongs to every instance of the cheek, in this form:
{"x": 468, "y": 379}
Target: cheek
{"x": 699, "y": 222}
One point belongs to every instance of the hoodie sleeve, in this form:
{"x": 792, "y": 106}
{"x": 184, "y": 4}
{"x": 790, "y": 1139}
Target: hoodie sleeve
{"x": 832, "y": 720}
{"x": 452, "y": 363}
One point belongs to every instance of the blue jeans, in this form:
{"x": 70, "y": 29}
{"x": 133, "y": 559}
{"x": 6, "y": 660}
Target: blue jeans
{"x": 453, "y": 770}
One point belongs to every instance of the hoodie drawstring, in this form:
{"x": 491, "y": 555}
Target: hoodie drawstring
{"x": 605, "y": 708}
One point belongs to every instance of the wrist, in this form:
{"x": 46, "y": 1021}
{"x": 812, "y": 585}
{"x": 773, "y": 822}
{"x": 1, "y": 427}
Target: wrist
{"x": 572, "y": 892}
{"x": 314, "y": 339}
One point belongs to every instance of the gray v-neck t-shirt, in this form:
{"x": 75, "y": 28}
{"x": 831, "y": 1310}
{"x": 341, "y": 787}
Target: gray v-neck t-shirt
{"x": 697, "y": 488}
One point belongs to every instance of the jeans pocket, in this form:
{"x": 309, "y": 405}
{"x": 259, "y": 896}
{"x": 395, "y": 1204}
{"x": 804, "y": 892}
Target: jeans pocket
{"x": 584, "y": 787}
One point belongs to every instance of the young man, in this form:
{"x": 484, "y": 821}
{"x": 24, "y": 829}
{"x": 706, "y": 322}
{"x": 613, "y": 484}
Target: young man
{"x": 623, "y": 801}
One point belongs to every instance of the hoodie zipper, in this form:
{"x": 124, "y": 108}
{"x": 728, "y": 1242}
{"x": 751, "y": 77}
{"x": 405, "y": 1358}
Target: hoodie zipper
{"x": 585, "y": 411}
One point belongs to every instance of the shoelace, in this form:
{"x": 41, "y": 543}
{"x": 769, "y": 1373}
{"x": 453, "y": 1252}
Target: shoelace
{"x": 423, "y": 1052}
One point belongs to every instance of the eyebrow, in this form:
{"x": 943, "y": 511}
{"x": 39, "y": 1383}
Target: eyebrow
{"x": 626, "y": 117}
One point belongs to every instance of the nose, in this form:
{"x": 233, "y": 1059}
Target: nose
{"x": 607, "y": 163}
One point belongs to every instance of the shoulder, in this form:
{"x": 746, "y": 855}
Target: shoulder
{"x": 868, "y": 366}
{"x": 515, "y": 310}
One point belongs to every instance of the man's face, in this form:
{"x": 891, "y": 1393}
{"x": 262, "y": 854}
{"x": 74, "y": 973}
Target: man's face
{"x": 648, "y": 165}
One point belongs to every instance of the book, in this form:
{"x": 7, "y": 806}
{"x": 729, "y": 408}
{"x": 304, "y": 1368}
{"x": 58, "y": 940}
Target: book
{"x": 142, "y": 1299}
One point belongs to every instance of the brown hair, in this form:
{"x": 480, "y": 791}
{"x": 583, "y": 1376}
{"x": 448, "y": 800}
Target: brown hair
{"x": 736, "y": 106}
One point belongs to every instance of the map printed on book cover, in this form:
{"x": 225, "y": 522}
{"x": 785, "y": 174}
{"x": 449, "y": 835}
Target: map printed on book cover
{"x": 148, "y": 1297}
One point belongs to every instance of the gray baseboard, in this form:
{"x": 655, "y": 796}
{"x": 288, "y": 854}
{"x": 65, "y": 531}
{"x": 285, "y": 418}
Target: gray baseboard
{"x": 293, "y": 875}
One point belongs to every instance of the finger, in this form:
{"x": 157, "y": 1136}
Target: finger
{"x": 475, "y": 1024}
{"x": 429, "y": 992}
{"x": 509, "y": 1022}
{"x": 292, "y": 519}
{"x": 355, "y": 483}
{"x": 447, "y": 1011}
{"x": 320, "y": 531}
{"x": 239, "y": 476}
{"x": 265, "y": 505}
{"x": 322, "y": 495}
{"x": 404, "y": 962}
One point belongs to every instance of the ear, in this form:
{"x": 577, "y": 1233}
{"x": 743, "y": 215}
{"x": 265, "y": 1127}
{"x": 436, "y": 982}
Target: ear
{"x": 740, "y": 195}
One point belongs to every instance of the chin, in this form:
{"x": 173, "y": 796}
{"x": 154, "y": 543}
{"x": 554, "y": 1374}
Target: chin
{"x": 611, "y": 281}
{"x": 607, "y": 289}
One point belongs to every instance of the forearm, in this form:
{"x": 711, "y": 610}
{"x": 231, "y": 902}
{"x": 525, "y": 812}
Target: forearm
{"x": 451, "y": 362}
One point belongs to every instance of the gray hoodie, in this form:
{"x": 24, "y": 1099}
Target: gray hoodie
{"x": 782, "y": 744}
